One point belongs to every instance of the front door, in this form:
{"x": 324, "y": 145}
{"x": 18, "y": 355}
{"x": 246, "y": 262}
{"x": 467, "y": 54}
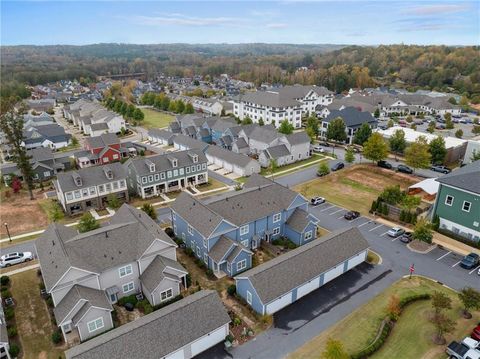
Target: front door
{"x": 113, "y": 298}
{"x": 67, "y": 328}
{"x": 254, "y": 244}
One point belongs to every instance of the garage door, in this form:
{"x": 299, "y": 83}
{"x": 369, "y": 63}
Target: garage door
{"x": 228, "y": 166}
{"x": 333, "y": 273}
{"x": 355, "y": 261}
{"x": 307, "y": 288}
{"x": 177, "y": 355}
{"x": 280, "y": 303}
{"x": 209, "y": 341}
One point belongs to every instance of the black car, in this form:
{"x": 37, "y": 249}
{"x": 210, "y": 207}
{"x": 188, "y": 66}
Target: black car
{"x": 441, "y": 169}
{"x": 470, "y": 261}
{"x": 404, "y": 169}
{"x": 384, "y": 164}
{"x": 407, "y": 237}
{"x": 351, "y": 215}
{"x": 338, "y": 166}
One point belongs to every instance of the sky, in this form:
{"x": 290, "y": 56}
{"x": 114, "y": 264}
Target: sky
{"x": 287, "y": 21}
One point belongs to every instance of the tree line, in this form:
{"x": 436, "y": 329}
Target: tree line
{"x": 162, "y": 102}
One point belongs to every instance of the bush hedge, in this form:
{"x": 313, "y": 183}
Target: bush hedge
{"x": 144, "y": 306}
{"x": 12, "y": 331}
{"x": 9, "y": 313}
{"x": 14, "y": 350}
{"x": 4, "y": 280}
{"x": 232, "y": 289}
{"x": 459, "y": 238}
{"x": 132, "y": 299}
{"x": 56, "y": 337}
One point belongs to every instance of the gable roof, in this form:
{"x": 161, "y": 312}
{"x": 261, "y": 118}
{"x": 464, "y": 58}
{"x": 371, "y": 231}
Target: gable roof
{"x": 189, "y": 142}
{"x": 163, "y": 134}
{"x": 351, "y": 116}
{"x": 102, "y": 140}
{"x": 221, "y": 248}
{"x": 229, "y": 156}
{"x": 160, "y": 333}
{"x": 277, "y": 151}
{"x": 286, "y": 272}
{"x": 270, "y": 98}
{"x": 154, "y": 273}
{"x": 297, "y": 138}
{"x": 466, "y": 178}
{"x": 299, "y": 219}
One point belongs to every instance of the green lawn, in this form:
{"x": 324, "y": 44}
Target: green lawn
{"x": 411, "y": 336}
{"x": 292, "y": 166}
{"x": 155, "y": 119}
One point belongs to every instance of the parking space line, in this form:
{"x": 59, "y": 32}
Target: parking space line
{"x": 394, "y": 239}
{"x": 364, "y": 224}
{"x": 473, "y": 270}
{"x": 456, "y": 264}
{"x": 380, "y": 225}
{"x": 339, "y": 217}
{"x": 326, "y": 209}
{"x": 383, "y": 234}
{"x": 341, "y": 209}
{"x": 353, "y": 220}
{"x": 444, "y": 255}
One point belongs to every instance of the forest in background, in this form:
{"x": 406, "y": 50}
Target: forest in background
{"x": 335, "y": 66}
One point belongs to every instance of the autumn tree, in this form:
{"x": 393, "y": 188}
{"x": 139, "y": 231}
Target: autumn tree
{"x": 150, "y": 210}
{"x": 423, "y": 231}
{"x": 323, "y": 169}
{"x": 375, "y": 149}
{"x": 417, "y": 155}
{"x": 443, "y": 325}
{"x": 448, "y": 121}
{"x": 397, "y": 142}
{"x": 393, "y": 308}
{"x": 441, "y": 302}
{"x": 431, "y": 127}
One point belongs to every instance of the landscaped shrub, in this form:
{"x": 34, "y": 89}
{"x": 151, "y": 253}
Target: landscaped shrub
{"x": 4, "y": 280}
{"x": 132, "y": 299}
{"x": 377, "y": 344}
{"x": 402, "y": 216}
{"x": 412, "y": 298}
{"x": 188, "y": 279}
{"x": 229, "y": 338}
{"x": 209, "y": 273}
{"x": 56, "y": 337}
{"x": 144, "y": 306}
{"x": 472, "y": 243}
{"x": 167, "y": 302}
{"x": 232, "y": 289}
{"x": 5, "y": 293}
{"x": 50, "y": 301}
{"x": 14, "y": 350}
{"x": 169, "y": 231}
{"x": 237, "y": 321}
{"x": 9, "y": 313}
{"x": 189, "y": 252}
{"x": 374, "y": 206}
{"x": 385, "y": 209}
{"x": 12, "y": 332}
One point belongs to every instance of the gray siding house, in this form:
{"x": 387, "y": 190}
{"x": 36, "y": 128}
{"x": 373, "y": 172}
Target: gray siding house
{"x": 85, "y": 273}
{"x": 232, "y": 162}
{"x": 180, "y": 330}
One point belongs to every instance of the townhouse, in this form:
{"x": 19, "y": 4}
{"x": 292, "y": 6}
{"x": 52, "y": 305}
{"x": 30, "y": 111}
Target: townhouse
{"x": 103, "y": 149}
{"x": 52, "y": 136}
{"x": 353, "y": 118}
{"x": 30, "y": 120}
{"x": 41, "y": 105}
{"x": 231, "y": 162}
{"x": 224, "y": 231}
{"x": 288, "y": 149}
{"x": 89, "y": 188}
{"x": 165, "y": 173}
{"x": 162, "y": 137}
{"x": 285, "y": 279}
{"x": 180, "y": 330}
{"x": 85, "y": 273}
{"x": 457, "y": 204}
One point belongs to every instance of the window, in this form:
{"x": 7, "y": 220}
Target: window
{"x": 198, "y": 251}
{"x": 249, "y": 297}
{"x": 245, "y": 243}
{"x": 108, "y": 187}
{"x": 46, "y": 174}
{"x": 187, "y": 169}
{"x": 121, "y": 183}
{"x": 244, "y": 230}
{"x": 92, "y": 190}
{"x": 199, "y": 167}
{"x": 157, "y": 176}
{"x": 95, "y": 325}
{"x": 150, "y": 178}
{"x": 241, "y": 265}
{"x": 115, "y": 185}
{"x": 175, "y": 173}
{"x": 105, "y": 159}
{"x": 144, "y": 179}
{"x": 162, "y": 175}
{"x": 69, "y": 196}
{"x": 204, "y": 166}
{"x": 85, "y": 192}
{"x": 128, "y": 287}
{"x": 277, "y": 217}
{"x": 124, "y": 271}
{"x": 169, "y": 174}
{"x": 115, "y": 157}
{"x": 101, "y": 188}
{"x": 166, "y": 294}
{"x": 466, "y": 206}
{"x": 77, "y": 194}
{"x": 276, "y": 231}
{"x": 180, "y": 171}
{"x": 205, "y": 258}
{"x": 449, "y": 200}
{"x": 190, "y": 230}
{"x": 308, "y": 235}
{"x": 193, "y": 168}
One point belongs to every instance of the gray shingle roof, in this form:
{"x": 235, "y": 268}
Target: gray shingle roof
{"x": 286, "y": 272}
{"x": 297, "y": 138}
{"x": 466, "y": 178}
{"x": 160, "y": 333}
{"x": 99, "y": 126}
{"x": 154, "y": 273}
{"x": 102, "y": 140}
{"x": 229, "y": 156}
{"x": 241, "y": 143}
{"x": 221, "y": 248}
{"x": 271, "y": 99}
{"x": 277, "y": 151}
{"x": 351, "y": 116}
{"x": 189, "y": 142}
{"x": 298, "y": 220}
{"x": 91, "y": 176}
{"x": 163, "y": 134}
{"x": 94, "y": 297}
{"x": 262, "y": 134}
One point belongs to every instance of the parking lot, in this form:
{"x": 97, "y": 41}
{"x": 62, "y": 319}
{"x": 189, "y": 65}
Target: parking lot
{"x": 396, "y": 253}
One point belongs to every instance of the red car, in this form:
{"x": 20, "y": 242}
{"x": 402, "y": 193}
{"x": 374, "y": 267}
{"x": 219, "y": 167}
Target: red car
{"x": 476, "y": 333}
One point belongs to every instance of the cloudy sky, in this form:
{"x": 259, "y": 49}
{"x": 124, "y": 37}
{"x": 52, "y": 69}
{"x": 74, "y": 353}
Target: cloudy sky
{"x": 288, "y": 21}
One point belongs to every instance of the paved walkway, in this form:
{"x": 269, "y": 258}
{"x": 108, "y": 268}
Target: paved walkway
{"x": 20, "y": 270}
{"x": 293, "y": 169}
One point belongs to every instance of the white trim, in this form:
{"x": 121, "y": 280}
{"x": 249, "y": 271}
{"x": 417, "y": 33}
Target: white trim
{"x": 240, "y": 262}
{"x": 166, "y": 298}
{"x": 128, "y": 291}
{"x": 95, "y": 322}
{"x": 447, "y": 197}
{"x": 279, "y": 217}
{"x": 276, "y": 229}
{"x": 249, "y": 297}
{"x": 469, "y": 206}
{"x": 305, "y": 235}
{"x": 68, "y": 270}
{"x": 84, "y": 314}
{"x": 126, "y": 270}
{"x": 170, "y": 246}
{"x": 242, "y": 228}
{"x": 460, "y": 189}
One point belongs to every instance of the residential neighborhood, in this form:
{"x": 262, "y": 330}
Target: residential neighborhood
{"x": 218, "y": 181}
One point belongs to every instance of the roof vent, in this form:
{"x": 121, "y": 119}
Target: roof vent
{"x": 106, "y": 234}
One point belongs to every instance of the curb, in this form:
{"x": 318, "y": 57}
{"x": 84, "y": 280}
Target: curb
{"x": 432, "y": 280}
{"x": 432, "y": 247}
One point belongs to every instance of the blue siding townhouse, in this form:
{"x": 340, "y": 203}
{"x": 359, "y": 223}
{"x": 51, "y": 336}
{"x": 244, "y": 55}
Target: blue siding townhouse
{"x": 224, "y": 231}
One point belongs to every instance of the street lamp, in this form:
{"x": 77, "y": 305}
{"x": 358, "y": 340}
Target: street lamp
{"x": 8, "y": 232}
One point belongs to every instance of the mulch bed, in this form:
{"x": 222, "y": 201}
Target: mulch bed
{"x": 421, "y": 247}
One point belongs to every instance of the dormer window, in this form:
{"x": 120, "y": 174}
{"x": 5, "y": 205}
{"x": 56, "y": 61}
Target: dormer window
{"x": 77, "y": 179}
{"x": 108, "y": 172}
{"x": 174, "y": 163}
{"x": 152, "y": 168}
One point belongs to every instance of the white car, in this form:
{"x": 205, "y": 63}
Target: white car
{"x": 315, "y": 201}
{"x": 15, "y": 258}
{"x": 395, "y": 232}
{"x": 318, "y": 149}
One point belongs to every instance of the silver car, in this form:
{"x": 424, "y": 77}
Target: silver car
{"x": 395, "y": 232}
{"x": 10, "y": 259}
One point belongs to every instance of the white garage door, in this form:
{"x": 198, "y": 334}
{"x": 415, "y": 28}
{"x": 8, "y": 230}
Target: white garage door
{"x": 280, "y": 303}
{"x": 307, "y": 288}
{"x": 228, "y": 166}
{"x": 355, "y": 261}
{"x": 238, "y": 170}
{"x": 218, "y": 162}
{"x": 209, "y": 341}
{"x": 177, "y": 355}
{"x": 333, "y": 273}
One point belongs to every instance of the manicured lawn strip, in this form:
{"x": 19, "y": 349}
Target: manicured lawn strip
{"x": 16, "y": 241}
{"x": 33, "y": 321}
{"x": 155, "y": 119}
{"x": 315, "y": 157}
{"x": 412, "y": 334}
{"x": 212, "y": 184}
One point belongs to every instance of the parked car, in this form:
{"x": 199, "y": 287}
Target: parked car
{"x": 315, "y": 201}
{"x": 441, "y": 169}
{"x": 351, "y": 215}
{"x": 338, "y": 166}
{"x": 461, "y": 351}
{"x": 15, "y": 258}
{"x": 470, "y": 261}
{"x": 324, "y": 144}
{"x": 395, "y": 232}
{"x": 404, "y": 169}
{"x": 407, "y": 237}
{"x": 476, "y": 333}
{"x": 318, "y": 149}
{"x": 384, "y": 164}
{"x": 440, "y": 126}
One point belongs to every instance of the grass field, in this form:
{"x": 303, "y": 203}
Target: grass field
{"x": 292, "y": 166}
{"x": 411, "y": 336}
{"x": 155, "y": 119}
{"x": 354, "y": 187}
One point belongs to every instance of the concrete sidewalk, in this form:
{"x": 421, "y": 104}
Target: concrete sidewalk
{"x": 20, "y": 270}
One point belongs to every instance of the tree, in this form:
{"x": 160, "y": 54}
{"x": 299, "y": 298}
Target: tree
{"x": 475, "y": 155}
{"x": 443, "y": 325}
{"x": 189, "y": 109}
{"x": 261, "y": 122}
{"x": 375, "y": 148}
{"x": 362, "y": 135}
{"x": 423, "y": 231}
{"x": 413, "y": 126}
{"x": 74, "y": 141}
{"x": 87, "y": 223}
{"x": 312, "y": 124}
{"x": 440, "y": 302}
{"x": 55, "y": 212}
{"x": 417, "y": 155}
{"x": 113, "y": 201}
{"x": 172, "y": 106}
{"x": 180, "y": 106}
{"x": 437, "y": 149}
{"x": 476, "y": 129}
{"x": 138, "y": 115}
{"x": 336, "y": 130}
{"x": 470, "y": 299}
{"x": 410, "y": 202}
{"x": 247, "y": 121}
{"x": 11, "y": 124}
{"x": 349, "y": 155}
{"x": 452, "y": 100}
{"x": 323, "y": 169}
{"x": 286, "y": 127}
{"x": 398, "y": 142}
{"x": 334, "y": 350}
{"x": 459, "y": 133}
{"x": 273, "y": 165}
{"x": 409, "y": 119}
{"x": 376, "y": 114}
{"x": 390, "y": 123}
{"x": 393, "y": 308}
{"x": 431, "y": 127}
{"x": 16, "y": 184}
{"x": 448, "y": 121}
{"x": 150, "y": 210}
